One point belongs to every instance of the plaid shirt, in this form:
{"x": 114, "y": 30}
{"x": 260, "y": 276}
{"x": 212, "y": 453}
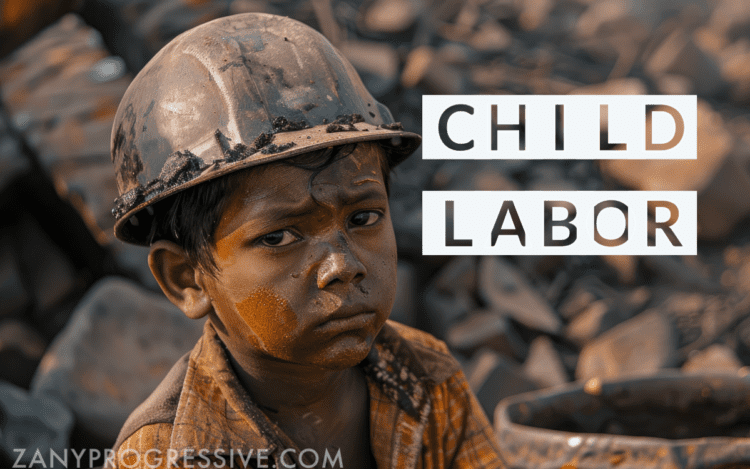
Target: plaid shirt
{"x": 422, "y": 413}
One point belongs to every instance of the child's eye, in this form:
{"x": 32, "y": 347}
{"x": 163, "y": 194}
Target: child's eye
{"x": 365, "y": 218}
{"x": 278, "y": 238}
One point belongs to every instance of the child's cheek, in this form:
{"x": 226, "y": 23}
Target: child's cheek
{"x": 269, "y": 318}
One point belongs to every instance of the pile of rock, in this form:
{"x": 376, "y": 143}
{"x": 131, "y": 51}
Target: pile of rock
{"x": 515, "y": 323}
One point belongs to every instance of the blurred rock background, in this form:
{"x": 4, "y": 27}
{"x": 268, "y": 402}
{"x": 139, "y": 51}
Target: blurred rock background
{"x": 85, "y": 334}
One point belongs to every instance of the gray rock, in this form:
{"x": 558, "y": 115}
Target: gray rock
{"x": 90, "y": 188}
{"x": 743, "y": 340}
{"x": 13, "y": 163}
{"x": 577, "y": 300}
{"x": 642, "y": 345}
{"x": 12, "y": 290}
{"x": 730, "y": 18}
{"x": 626, "y": 267}
{"x": 390, "y": 16}
{"x": 544, "y": 364}
{"x": 717, "y": 358}
{"x": 137, "y": 29}
{"x": 377, "y": 64}
{"x": 37, "y": 424}
{"x": 51, "y": 275}
{"x": 486, "y": 329}
{"x": 678, "y": 54}
{"x": 596, "y": 318}
{"x": 679, "y": 271}
{"x": 491, "y": 36}
{"x": 133, "y": 260}
{"x": 721, "y": 181}
{"x": 735, "y": 68}
{"x": 508, "y": 292}
{"x": 404, "y": 307}
{"x": 61, "y": 90}
{"x": 450, "y": 295}
{"x": 494, "y": 377}
{"x": 21, "y": 350}
{"x": 120, "y": 342}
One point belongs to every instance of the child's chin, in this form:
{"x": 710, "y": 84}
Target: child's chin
{"x": 346, "y": 352}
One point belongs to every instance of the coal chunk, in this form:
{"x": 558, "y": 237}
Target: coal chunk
{"x": 84, "y": 366}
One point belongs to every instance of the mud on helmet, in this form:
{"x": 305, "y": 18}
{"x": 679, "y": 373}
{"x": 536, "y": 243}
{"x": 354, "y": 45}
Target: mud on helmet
{"x": 232, "y": 93}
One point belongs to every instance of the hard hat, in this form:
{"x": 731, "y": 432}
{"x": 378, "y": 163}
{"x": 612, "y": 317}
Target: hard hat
{"x": 236, "y": 92}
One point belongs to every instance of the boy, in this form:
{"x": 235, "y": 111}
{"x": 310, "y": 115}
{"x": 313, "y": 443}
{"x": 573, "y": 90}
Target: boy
{"x": 254, "y": 163}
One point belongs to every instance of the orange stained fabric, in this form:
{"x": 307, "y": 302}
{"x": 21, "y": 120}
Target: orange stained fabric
{"x": 422, "y": 413}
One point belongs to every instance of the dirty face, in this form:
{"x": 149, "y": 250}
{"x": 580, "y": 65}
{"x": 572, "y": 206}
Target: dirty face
{"x": 307, "y": 263}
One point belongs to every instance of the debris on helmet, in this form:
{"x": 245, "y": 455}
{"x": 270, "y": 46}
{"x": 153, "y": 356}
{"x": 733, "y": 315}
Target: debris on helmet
{"x": 231, "y": 154}
{"x": 127, "y": 201}
{"x": 344, "y": 123}
{"x": 273, "y": 148}
{"x": 242, "y": 128}
{"x": 392, "y": 126}
{"x": 282, "y": 124}
{"x": 181, "y": 166}
{"x": 262, "y": 140}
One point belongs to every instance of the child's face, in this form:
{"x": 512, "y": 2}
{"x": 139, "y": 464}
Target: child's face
{"x": 307, "y": 265}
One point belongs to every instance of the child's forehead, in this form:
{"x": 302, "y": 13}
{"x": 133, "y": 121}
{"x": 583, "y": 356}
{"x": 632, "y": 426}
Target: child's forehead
{"x": 358, "y": 166}
{"x": 276, "y": 188}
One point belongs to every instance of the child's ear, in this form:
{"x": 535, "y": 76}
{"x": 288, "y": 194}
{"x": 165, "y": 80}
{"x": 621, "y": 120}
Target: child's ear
{"x": 178, "y": 279}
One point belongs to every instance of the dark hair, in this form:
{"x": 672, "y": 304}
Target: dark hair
{"x": 190, "y": 217}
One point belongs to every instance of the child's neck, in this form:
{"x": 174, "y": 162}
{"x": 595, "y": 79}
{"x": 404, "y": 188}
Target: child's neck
{"x": 277, "y": 385}
{"x": 317, "y": 409}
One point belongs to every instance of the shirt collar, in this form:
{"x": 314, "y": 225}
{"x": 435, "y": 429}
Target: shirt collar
{"x": 216, "y": 412}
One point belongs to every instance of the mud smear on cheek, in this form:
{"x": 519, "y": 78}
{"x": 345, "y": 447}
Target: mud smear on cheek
{"x": 269, "y": 318}
{"x": 224, "y": 247}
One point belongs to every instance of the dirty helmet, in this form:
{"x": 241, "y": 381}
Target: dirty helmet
{"x": 232, "y": 93}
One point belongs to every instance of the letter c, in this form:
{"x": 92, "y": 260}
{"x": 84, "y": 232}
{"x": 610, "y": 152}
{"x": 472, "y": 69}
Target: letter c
{"x": 443, "y": 127}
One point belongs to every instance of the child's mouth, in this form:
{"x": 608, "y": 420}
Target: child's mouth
{"x": 345, "y": 321}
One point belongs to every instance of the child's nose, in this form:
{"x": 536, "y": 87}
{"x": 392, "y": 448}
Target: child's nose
{"x": 340, "y": 265}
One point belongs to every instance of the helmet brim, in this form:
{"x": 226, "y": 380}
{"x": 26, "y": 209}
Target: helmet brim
{"x": 134, "y": 225}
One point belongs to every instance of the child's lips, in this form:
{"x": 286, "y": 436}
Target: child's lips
{"x": 346, "y": 319}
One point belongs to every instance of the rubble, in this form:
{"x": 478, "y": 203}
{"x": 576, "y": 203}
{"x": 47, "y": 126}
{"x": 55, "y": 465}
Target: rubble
{"x": 33, "y": 423}
{"x": 390, "y": 16}
{"x": 84, "y": 366}
{"x": 544, "y": 364}
{"x": 15, "y": 297}
{"x": 21, "y": 349}
{"x": 450, "y": 295}
{"x": 66, "y": 116}
{"x": 493, "y": 377}
{"x": 642, "y": 345}
{"x": 376, "y": 63}
{"x": 51, "y": 273}
{"x": 679, "y": 55}
{"x": 596, "y": 318}
{"x": 719, "y": 178}
{"x": 507, "y": 292}
{"x": 13, "y": 164}
{"x": 717, "y": 358}
{"x": 516, "y": 323}
{"x": 404, "y": 307}
{"x": 489, "y": 330}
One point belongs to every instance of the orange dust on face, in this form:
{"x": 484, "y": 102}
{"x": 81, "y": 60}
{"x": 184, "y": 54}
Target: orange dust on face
{"x": 307, "y": 262}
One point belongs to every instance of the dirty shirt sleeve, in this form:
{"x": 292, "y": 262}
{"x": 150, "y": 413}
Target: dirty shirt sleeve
{"x": 459, "y": 435}
{"x": 146, "y": 448}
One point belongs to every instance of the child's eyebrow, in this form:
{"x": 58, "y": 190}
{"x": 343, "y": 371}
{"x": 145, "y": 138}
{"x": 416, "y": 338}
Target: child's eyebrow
{"x": 373, "y": 193}
{"x": 279, "y": 212}
{"x": 285, "y": 211}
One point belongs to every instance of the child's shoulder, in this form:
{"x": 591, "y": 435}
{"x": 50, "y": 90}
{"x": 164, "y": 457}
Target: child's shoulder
{"x": 418, "y": 337}
{"x": 432, "y": 354}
